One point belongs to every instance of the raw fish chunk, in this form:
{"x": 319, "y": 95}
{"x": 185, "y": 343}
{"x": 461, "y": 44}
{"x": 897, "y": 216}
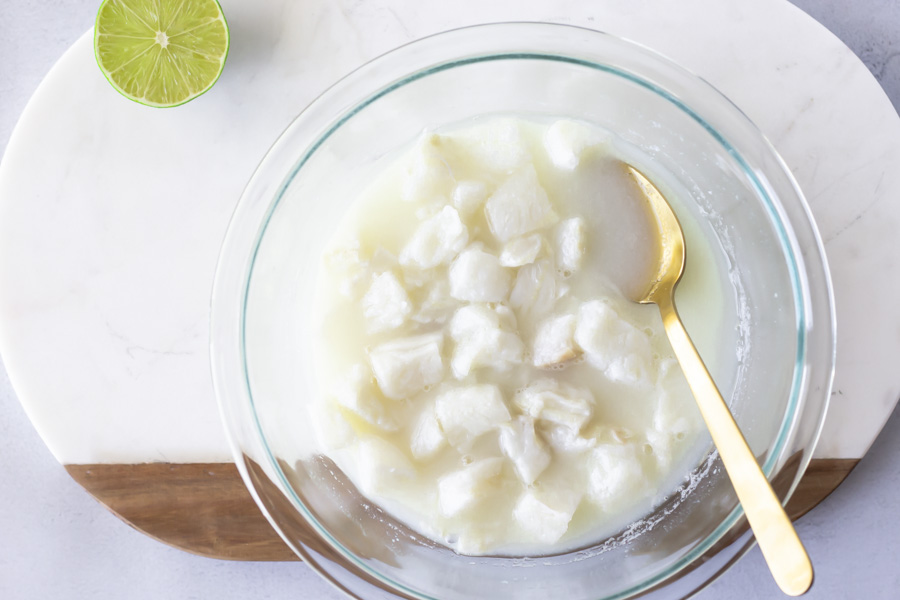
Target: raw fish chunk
{"x": 437, "y": 240}
{"x": 671, "y": 415}
{"x": 674, "y": 419}
{"x": 428, "y": 176}
{"x": 521, "y": 250}
{"x": 545, "y": 516}
{"x": 484, "y": 337}
{"x": 524, "y": 448}
{"x": 615, "y": 476}
{"x": 570, "y": 240}
{"x": 437, "y": 306}
{"x": 564, "y": 439}
{"x": 406, "y": 366}
{"x": 345, "y": 260}
{"x": 358, "y": 394}
{"x": 476, "y": 276}
{"x": 469, "y": 196}
{"x": 427, "y": 437}
{"x": 567, "y": 141}
{"x": 536, "y": 290}
{"x": 386, "y": 305}
{"x": 473, "y": 541}
{"x": 497, "y": 146}
{"x": 554, "y": 342}
{"x": 462, "y": 489}
{"x": 557, "y": 403}
{"x": 613, "y": 345}
{"x": 356, "y": 272}
{"x": 332, "y": 428}
{"x": 382, "y": 467}
{"x": 519, "y": 206}
{"x": 470, "y": 411}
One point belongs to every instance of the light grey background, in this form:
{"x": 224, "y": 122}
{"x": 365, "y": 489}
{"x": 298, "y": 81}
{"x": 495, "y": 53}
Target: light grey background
{"x": 56, "y": 541}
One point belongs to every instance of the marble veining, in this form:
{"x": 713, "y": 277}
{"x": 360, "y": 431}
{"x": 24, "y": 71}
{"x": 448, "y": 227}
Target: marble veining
{"x": 112, "y": 214}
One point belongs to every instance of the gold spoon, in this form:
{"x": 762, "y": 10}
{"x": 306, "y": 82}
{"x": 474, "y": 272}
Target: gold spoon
{"x": 782, "y": 549}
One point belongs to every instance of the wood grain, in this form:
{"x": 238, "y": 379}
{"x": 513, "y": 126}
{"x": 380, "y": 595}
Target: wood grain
{"x": 823, "y": 476}
{"x": 205, "y": 509}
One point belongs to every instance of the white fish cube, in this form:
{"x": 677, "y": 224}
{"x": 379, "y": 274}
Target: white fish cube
{"x": 464, "y": 488}
{"x": 570, "y": 239}
{"x": 545, "y": 516}
{"x": 332, "y": 429}
{"x": 470, "y": 411}
{"x": 615, "y": 476}
{"x": 427, "y": 438}
{"x": 676, "y": 413}
{"x": 556, "y": 403}
{"x": 496, "y": 146}
{"x": 381, "y": 467}
{"x": 437, "y": 240}
{"x": 523, "y": 447}
{"x": 437, "y": 306}
{"x": 476, "y": 276}
{"x": 381, "y": 260}
{"x": 476, "y": 540}
{"x": 521, "y": 250}
{"x": 676, "y": 416}
{"x": 415, "y": 279}
{"x": 484, "y": 337}
{"x": 428, "y": 176}
{"x": 346, "y": 262}
{"x": 358, "y": 394}
{"x": 567, "y": 141}
{"x": 506, "y": 316}
{"x": 469, "y": 196}
{"x": 344, "y": 256}
{"x": 563, "y": 439}
{"x": 406, "y": 366}
{"x": 386, "y": 305}
{"x": 613, "y": 345}
{"x": 632, "y": 369}
{"x": 554, "y": 342}
{"x": 519, "y": 206}
{"x": 537, "y": 289}
{"x": 354, "y": 271}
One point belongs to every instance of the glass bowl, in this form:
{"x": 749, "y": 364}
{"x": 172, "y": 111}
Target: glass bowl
{"x": 696, "y": 145}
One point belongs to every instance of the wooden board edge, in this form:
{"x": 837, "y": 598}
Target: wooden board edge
{"x": 205, "y": 509}
{"x": 822, "y": 477}
{"x": 201, "y": 508}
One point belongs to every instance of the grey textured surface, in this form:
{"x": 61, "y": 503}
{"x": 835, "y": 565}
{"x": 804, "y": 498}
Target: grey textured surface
{"x": 58, "y": 542}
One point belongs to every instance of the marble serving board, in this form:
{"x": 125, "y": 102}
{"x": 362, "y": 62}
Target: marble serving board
{"x": 112, "y": 214}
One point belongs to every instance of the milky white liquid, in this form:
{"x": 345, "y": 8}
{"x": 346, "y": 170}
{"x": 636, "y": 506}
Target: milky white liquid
{"x": 642, "y": 436}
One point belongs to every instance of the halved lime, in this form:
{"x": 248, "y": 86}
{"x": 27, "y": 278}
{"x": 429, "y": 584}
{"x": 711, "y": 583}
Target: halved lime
{"x": 161, "y": 52}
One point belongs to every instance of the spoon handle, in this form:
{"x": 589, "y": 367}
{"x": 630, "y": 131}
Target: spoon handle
{"x": 782, "y": 549}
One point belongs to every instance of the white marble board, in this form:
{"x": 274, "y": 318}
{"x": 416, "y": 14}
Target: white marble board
{"x": 111, "y": 213}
